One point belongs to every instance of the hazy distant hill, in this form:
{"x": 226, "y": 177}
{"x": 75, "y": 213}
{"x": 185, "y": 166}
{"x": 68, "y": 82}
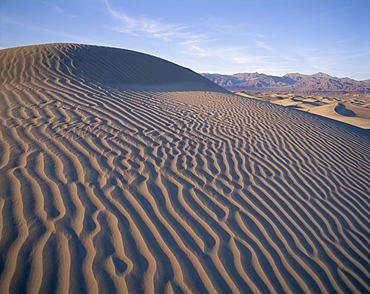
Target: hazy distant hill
{"x": 291, "y": 82}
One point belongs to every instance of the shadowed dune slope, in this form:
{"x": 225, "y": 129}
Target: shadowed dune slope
{"x": 109, "y": 66}
{"x": 124, "y": 173}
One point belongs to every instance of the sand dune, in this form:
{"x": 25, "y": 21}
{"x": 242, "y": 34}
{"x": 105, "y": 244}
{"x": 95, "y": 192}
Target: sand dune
{"x": 124, "y": 173}
{"x": 350, "y": 111}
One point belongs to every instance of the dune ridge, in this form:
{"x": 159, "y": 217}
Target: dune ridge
{"x": 117, "y": 182}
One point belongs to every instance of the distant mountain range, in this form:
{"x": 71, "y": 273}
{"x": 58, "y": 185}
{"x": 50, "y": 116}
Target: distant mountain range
{"x": 291, "y": 82}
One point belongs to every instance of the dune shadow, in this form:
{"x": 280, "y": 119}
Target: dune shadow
{"x": 342, "y": 110}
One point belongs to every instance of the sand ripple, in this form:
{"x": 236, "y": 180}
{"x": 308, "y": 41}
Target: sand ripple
{"x": 114, "y": 190}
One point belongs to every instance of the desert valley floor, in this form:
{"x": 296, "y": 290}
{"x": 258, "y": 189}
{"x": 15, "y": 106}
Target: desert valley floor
{"x": 123, "y": 173}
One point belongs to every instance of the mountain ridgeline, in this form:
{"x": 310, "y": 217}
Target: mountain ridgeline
{"x": 292, "y": 82}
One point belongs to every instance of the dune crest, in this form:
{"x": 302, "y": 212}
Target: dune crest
{"x": 98, "y": 65}
{"x": 124, "y": 173}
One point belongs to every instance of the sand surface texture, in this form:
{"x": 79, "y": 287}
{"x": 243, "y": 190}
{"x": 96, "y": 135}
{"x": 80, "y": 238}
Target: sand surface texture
{"x": 353, "y": 111}
{"x": 124, "y": 173}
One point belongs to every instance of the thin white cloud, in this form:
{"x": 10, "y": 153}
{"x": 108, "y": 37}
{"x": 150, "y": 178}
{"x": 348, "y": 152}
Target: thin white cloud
{"x": 144, "y": 25}
{"x": 27, "y": 26}
{"x": 207, "y": 41}
{"x": 234, "y": 55}
{"x": 249, "y": 60}
{"x": 263, "y": 45}
{"x": 58, "y": 9}
{"x": 190, "y": 40}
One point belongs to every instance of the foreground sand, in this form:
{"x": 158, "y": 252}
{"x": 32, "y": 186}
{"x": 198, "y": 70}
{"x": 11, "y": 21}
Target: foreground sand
{"x": 121, "y": 173}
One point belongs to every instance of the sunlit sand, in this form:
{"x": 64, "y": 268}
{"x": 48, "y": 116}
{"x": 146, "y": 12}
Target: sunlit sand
{"x": 351, "y": 111}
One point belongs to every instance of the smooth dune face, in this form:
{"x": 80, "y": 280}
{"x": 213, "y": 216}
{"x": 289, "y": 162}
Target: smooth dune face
{"x": 124, "y": 173}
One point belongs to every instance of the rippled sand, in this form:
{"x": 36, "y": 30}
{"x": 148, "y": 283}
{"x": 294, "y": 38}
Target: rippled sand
{"x": 124, "y": 173}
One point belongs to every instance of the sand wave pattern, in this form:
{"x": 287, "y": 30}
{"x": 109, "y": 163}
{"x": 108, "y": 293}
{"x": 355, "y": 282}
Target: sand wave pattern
{"x": 152, "y": 190}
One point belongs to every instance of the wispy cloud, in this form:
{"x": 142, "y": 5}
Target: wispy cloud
{"x": 187, "y": 37}
{"x": 329, "y": 63}
{"x": 206, "y": 40}
{"x": 262, "y": 45}
{"x": 191, "y": 40}
{"x": 58, "y": 9}
{"x": 27, "y": 26}
{"x": 145, "y": 25}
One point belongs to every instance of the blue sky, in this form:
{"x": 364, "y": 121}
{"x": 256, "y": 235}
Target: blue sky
{"x": 229, "y": 36}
